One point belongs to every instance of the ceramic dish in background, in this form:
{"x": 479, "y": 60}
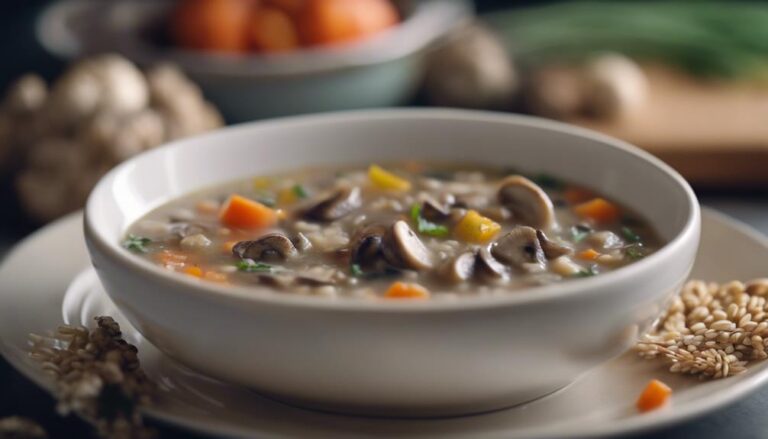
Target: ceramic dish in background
{"x": 384, "y": 70}
{"x": 439, "y": 357}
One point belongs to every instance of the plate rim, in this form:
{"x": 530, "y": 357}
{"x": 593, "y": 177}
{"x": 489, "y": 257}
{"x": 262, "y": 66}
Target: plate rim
{"x": 633, "y": 425}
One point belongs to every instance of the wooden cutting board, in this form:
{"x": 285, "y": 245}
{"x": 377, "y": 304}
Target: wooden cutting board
{"x": 714, "y": 133}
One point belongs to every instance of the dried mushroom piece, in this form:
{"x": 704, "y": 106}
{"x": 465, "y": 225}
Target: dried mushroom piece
{"x": 337, "y": 205}
{"x": 402, "y": 248}
{"x": 273, "y": 246}
{"x": 527, "y": 201}
{"x": 520, "y": 248}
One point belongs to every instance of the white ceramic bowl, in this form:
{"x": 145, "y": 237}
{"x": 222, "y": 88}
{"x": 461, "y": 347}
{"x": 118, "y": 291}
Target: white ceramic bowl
{"x": 439, "y": 357}
{"x": 381, "y": 71}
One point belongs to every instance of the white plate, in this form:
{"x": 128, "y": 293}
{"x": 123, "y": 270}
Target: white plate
{"x": 37, "y": 292}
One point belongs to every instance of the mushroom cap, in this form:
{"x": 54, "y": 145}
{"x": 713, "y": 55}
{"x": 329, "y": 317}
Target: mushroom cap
{"x": 527, "y": 201}
{"x": 270, "y": 246}
{"x": 340, "y": 203}
{"x": 434, "y": 210}
{"x": 403, "y": 249}
{"x": 520, "y": 247}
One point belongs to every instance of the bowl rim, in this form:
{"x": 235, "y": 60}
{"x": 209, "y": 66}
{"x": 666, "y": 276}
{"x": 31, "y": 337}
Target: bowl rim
{"x": 429, "y": 21}
{"x": 112, "y": 249}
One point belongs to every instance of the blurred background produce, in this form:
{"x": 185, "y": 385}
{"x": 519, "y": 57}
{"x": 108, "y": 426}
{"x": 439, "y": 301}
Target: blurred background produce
{"x": 686, "y": 80}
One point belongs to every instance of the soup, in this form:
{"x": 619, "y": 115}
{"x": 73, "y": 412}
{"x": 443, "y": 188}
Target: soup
{"x": 410, "y": 230}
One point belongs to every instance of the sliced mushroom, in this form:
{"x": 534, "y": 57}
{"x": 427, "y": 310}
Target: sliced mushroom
{"x": 434, "y": 211}
{"x": 337, "y": 205}
{"x": 552, "y": 249}
{"x": 273, "y": 246}
{"x": 459, "y": 269}
{"x": 521, "y": 248}
{"x": 488, "y": 267}
{"x": 366, "y": 248}
{"x": 403, "y": 249}
{"x": 301, "y": 242}
{"x": 497, "y": 213}
{"x": 527, "y": 201}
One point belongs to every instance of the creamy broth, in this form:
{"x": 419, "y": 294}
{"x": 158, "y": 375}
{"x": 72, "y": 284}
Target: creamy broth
{"x": 409, "y": 230}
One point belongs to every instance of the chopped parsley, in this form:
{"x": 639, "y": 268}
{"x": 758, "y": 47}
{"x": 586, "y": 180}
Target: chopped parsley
{"x": 427, "y": 227}
{"x": 250, "y": 266}
{"x": 547, "y": 181}
{"x": 636, "y": 252}
{"x": 300, "y": 191}
{"x": 630, "y": 234}
{"x": 136, "y": 243}
{"x": 356, "y": 270}
{"x": 580, "y": 232}
{"x": 588, "y": 272}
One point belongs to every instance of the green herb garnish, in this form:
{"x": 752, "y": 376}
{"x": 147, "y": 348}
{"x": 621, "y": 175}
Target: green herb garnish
{"x": 547, "y": 181}
{"x": 250, "y": 266}
{"x": 356, "y": 270}
{"x": 300, "y": 191}
{"x": 136, "y": 243}
{"x": 427, "y": 227}
{"x": 630, "y": 234}
{"x": 635, "y": 252}
{"x": 589, "y": 272}
{"x": 580, "y": 232}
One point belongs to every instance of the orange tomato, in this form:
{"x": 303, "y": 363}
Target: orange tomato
{"x": 336, "y": 21}
{"x": 272, "y": 30}
{"x": 216, "y": 25}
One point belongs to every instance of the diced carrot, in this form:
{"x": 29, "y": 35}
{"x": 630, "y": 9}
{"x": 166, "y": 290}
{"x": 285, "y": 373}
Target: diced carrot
{"x": 194, "y": 271}
{"x": 575, "y": 194}
{"x": 215, "y": 276}
{"x": 405, "y": 290}
{"x": 336, "y": 21}
{"x": 272, "y": 30}
{"x": 171, "y": 259}
{"x": 217, "y": 25}
{"x": 598, "y": 209}
{"x": 589, "y": 254}
{"x": 476, "y": 228}
{"x": 383, "y": 179}
{"x": 243, "y": 213}
{"x": 655, "y": 395}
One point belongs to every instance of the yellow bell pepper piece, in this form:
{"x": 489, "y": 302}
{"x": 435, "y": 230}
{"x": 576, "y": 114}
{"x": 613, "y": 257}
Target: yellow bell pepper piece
{"x": 476, "y": 228}
{"x": 384, "y": 179}
{"x": 287, "y": 196}
{"x": 261, "y": 183}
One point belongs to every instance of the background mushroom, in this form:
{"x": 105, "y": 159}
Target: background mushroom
{"x": 337, "y": 205}
{"x": 56, "y": 144}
